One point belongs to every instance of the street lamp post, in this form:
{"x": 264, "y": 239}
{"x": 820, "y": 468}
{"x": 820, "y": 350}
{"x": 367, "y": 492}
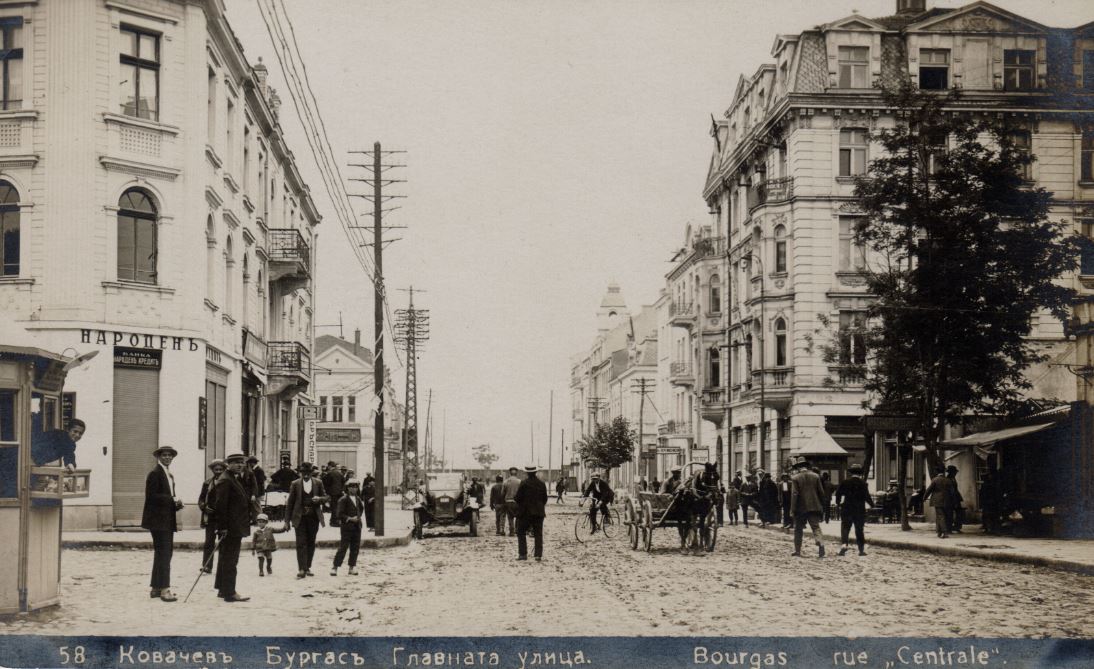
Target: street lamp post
{"x": 750, "y": 258}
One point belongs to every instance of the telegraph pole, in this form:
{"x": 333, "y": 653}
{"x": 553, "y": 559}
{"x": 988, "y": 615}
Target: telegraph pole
{"x": 378, "y": 181}
{"x": 550, "y": 431}
{"x": 411, "y": 330}
{"x": 642, "y": 387}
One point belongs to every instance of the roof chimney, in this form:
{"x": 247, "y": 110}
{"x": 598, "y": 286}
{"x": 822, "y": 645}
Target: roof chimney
{"x": 261, "y": 73}
{"x": 911, "y": 6}
{"x": 356, "y": 340}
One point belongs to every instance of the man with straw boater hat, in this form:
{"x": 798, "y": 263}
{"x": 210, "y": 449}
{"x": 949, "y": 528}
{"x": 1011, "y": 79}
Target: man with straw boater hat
{"x": 161, "y": 503}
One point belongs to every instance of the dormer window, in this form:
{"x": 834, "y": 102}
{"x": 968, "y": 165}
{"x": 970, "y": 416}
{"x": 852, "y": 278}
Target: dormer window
{"x": 1088, "y": 69}
{"x": 934, "y": 69}
{"x": 1018, "y": 69}
{"x": 854, "y": 64}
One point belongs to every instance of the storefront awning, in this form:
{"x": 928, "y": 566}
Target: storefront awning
{"x": 991, "y": 437}
{"x": 821, "y": 443}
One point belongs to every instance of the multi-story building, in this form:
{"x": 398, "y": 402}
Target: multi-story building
{"x": 345, "y": 390}
{"x": 152, "y": 213}
{"x": 780, "y": 188}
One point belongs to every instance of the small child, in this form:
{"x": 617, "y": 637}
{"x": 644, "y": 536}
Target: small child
{"x": 349, "y": 509}
{"x": 264, "y": 544}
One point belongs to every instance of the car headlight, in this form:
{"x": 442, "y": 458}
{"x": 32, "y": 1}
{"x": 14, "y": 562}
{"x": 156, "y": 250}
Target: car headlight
{"x": 459, "y": 508}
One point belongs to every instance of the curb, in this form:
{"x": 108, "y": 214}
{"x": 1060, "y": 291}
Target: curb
{"x": 366, "y": 543}
{"x": 961, "y": 551}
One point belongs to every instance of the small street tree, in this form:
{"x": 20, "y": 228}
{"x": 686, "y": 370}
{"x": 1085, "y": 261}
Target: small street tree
{"x": 484, "y": 456}
{"x": 961, "y": 254}
{"x": 610, "y": 445}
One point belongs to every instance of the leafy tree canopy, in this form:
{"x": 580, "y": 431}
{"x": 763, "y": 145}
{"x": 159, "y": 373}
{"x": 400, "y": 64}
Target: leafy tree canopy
{"x": 610, "y": 445}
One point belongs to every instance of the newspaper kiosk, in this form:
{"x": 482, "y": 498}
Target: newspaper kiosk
{"x": 31, "y": 496}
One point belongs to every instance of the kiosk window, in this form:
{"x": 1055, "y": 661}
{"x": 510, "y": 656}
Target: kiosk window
{"x": 9, "y": 446}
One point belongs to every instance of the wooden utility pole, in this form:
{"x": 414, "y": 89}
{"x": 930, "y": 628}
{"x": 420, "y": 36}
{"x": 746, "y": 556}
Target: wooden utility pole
{"x": 642, "y": 387}
{"x": 550, "y": 430}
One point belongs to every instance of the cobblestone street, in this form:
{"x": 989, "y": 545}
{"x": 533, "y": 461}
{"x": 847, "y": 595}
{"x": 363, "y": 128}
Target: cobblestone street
{"x": 451, "y": 584}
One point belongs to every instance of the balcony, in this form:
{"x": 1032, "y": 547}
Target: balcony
{"x": 289, "y": 366}
{"x": 290, "y": 256}
{"x": 771, "y": 192}
{"x": 681, "y": 374}
{"x": 682, "y": 314}
{"x": 713, "y": 405}
{"x": 846, "y": 375}
{"x": 710, "y": 247}
{"x": 775, "y": 386}
{"x": 255, "y": 349}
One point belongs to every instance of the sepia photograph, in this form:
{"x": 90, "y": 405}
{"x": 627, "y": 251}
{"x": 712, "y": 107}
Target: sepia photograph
{"x": 621, "y": 333}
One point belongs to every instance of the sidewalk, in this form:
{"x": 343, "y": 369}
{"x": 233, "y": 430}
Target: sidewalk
{"x": 1076, "y": 555}
{"x": 397, "y": 525}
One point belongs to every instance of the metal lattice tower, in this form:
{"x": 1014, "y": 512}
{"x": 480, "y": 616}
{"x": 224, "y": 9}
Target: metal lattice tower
{"x": 411, "y": 330}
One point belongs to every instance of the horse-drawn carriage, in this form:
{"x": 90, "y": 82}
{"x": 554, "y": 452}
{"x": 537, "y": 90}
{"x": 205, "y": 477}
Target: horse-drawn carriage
{"x": 691, "y": 510}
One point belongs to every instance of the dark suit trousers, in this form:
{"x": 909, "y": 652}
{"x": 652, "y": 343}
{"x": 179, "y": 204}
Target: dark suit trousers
{"x": 813, "y": 518}
{"x": 163, "y": 546}
{"x": 227, "y": 564}
{"x": 207, "y": 549}
{"x": 858, "y": 521}
{"x": 305, "y": 540}
{"x": 369, "y": 515}
{"x": 351, "y": 540}
{"x": 500, "y": 514}
{"x": 535, "y": 524}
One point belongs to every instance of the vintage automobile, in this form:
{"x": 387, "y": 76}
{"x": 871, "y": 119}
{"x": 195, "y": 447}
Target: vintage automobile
{"x": 446, "y": 503}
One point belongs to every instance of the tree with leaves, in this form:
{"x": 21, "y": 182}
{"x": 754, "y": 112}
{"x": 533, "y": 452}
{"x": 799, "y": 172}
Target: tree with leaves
{"x": 961, "y": 254}
{"x": 484, "y": 456}
{"x": 610, "y": 445}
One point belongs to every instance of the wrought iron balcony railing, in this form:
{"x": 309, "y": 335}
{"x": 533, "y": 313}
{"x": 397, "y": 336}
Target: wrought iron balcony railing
{"x": 288, "y": 246}
{"x": 288, "y": 358}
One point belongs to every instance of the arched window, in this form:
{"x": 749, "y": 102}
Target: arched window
{"x": 9, "y": 229}
{"x": 714, "y": 368}
{"x": 229, "y": 278}
{"x": 137, "y": 217}
{"x": 780, "y": 248}
{"x": 715, "y": 294}
{"x": 780, "y": 342}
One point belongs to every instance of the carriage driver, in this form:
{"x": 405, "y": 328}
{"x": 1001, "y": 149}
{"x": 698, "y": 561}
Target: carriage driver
{"x": 601, "y": 492}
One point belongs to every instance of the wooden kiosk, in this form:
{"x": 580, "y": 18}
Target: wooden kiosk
{"x": 31, "y": 496}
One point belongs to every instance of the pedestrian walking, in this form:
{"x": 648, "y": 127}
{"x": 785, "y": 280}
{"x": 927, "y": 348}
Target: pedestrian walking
{"x": 531, "y": 502}
{"x": 733, "y": 502}
{"x": 161, "y": 503}
{"x": 560, "y": 489}
{"x": 206, "y": 504}
{"x": 368, "y": 493}
{"x": 233, "y": 518}
{"x": 333, "y": 484}
{"x": 829, "y": 490}
{"x": 349, "y": 510}
{"x": 719, "y": 502}
{"x": 956, "y": 515}
{"x": 852, "y": 496}
{"x": 512, "y": 484}
{"x": 476, "y": 491}
{"x": 806, "y": 500}
{"x": 784, "y": 499}
{"x": 940, "y": 492}
{"x": 737, "y": 481}
{"x": 749, "y": 490}
{"x": 260, "y": 477}
{"x": 263, "y": 543}
{"x": 304, "y": 510}
{"x": 768, "y": 500}
{"x": 497, "y": 505}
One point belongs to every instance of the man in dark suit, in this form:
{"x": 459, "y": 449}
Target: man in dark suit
{"x": 333, "y": 481}
{"x": 205, "y": 503}
{"x": 941, "y": 492}
{"x": 599, "y": 490}
{"x": 497, "y": 505}
{"x": 161, "y": 503}
{"x": 852, "y": 496}
{"x": 368, "y": 493}
{"x": 304, "y": 510}
{"x": 233, "y": 518}
{"x": 349, "y": 509}
{"x": 806, "y": 505}
{"x": 531, "y": 500}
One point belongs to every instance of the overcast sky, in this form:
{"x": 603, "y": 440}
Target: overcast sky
{"x": 552, "y": 147}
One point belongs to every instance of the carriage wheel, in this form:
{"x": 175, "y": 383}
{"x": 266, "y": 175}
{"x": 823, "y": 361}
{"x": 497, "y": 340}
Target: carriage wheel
{"x": 631, "y": 522}
{"x": 712, "y": 530}
{"x": 647, "y": 526}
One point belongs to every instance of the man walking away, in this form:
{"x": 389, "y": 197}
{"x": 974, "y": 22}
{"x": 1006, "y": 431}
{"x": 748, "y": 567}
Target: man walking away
{"x": 206, "y": 504}
{"x": 497, "y": 505}
{"x": 852, "y": 496}
{"x": 806, "y": 501}
{"x": 956, "y": 515}
{"x": 829, "y": 489}
{"x": 161, "y": 503}
{"x": 304, "y": 510}
{"x": 348, "y": 509}
{"x": 560, "y": 489}
{"x": 940, "y": 492}
{"x": 333, "y": 482}
{"x": 733, "y": 502}
{"x": 233, "y": 517}
{"x": 512, "y": 484}
{"x": 531, "y": 501}
{"x": 748, "y": 496}
{"x": 784, "y": 499}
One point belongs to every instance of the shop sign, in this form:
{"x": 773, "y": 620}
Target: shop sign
{"x": 309, "y": 440}
{"x": 700, "y": 454}
{"x": 137, "y": 358}
{"x": 136, "y": 339}
{"x": 309, "y": 412}
{"x": 339, "y": 434}
{"x": 669, "y": 450}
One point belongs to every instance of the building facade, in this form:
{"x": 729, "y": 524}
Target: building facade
{"x": 153, "y": 213}
{"x": 780, "y": 187}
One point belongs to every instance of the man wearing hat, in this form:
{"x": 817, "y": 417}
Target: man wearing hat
{"x": 206, "y": 504}
{"x": 304, "y": 510}
{"x": 497, "y": 505}
{"x": 161, "y": 503}
{"x": 284, "y": 477}
{"x": 941, "y": 493}
{"x": 852, "y": 496}
{"x": 333, "y": 482}
{"x": 599, "y": 490}
{"x": 512, "y": 484}
{"x": 673, "y": 482}
{"x": 531, "y": 500}
{"x": 749, "y": 491}
{"x": 232, "y": 512}
{"x": 349, "y": 509}
{"x": 807, "y": 505}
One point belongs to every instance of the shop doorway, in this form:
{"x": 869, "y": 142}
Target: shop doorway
{"x": 136, "y": 434}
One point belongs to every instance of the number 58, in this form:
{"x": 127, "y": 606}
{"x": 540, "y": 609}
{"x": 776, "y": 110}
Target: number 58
{"x": 77, "y": 656}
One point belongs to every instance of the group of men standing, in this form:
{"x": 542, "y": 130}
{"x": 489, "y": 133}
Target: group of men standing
{"x": 520, "y": 505}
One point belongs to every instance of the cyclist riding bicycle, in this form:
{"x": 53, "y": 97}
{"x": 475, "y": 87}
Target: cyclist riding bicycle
{"x": 601, "y": 492}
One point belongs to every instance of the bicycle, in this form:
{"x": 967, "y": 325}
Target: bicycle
{"x": 609, "y": 524}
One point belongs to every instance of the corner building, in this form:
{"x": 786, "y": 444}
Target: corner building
{"x": 781, "y": 182}
{"x": 153, "y": 213}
